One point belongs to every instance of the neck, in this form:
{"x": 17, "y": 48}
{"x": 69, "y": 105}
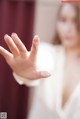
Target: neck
{"x": 74, "y": 51}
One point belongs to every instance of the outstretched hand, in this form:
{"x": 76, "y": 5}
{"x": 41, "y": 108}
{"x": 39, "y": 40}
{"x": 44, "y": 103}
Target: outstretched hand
{"x": 21, "y": 61}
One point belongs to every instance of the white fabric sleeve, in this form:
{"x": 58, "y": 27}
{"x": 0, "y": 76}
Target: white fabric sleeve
{"x": 20, "y": 80}
{"x": 44, "y": 61}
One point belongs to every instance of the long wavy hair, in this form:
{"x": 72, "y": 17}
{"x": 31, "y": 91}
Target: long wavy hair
{"x": 56, "y": 39}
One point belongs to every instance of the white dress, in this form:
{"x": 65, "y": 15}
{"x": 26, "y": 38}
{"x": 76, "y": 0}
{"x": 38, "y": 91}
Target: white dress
{"x": 47, "y": 98}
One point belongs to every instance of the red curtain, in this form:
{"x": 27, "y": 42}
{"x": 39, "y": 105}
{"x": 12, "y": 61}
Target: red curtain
{"x": 15, "y": 16}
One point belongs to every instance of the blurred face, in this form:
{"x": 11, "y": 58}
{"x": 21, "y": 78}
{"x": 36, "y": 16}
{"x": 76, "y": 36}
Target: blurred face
{"x": 66, "y": 26}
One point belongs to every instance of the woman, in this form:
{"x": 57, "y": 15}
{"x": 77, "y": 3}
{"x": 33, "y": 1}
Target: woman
{"x": 57, "y": 94}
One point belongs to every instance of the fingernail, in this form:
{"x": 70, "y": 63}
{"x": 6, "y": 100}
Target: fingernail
{"x": 36, "y": 36}
{"x": 36, "y": 42}
{"x": 13, "y": 33}
{"x": 5, "y": 36}
{"x": 36, "y": 39}
{"x": 45, "y": 73}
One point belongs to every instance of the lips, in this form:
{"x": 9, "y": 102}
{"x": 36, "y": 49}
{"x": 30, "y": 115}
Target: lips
{"x": 67, "y": 38}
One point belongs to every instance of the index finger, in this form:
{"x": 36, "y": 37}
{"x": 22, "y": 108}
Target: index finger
{"x": 34, "y": 48}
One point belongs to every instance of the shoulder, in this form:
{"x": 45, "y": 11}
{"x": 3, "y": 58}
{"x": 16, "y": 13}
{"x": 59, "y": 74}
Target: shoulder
{"x": 46, "y": 55}
{"x": 48, "y": 47}
{"x": 45, "y": 46}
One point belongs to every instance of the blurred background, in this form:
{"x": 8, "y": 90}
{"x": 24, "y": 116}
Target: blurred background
{"x": 26, "y": 18}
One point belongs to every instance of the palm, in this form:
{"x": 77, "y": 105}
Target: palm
{"x": 21, "y": 61}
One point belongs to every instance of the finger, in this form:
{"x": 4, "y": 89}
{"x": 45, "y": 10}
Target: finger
{"x": 43, "y": 74}
{"x": 12, "y": 46}
{"x": 6, "y": 54}
{"x": 34, "y": 48}
{"x": 19, "y": 44}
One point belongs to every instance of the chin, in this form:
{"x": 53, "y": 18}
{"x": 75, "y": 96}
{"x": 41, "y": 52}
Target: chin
{"x": 69, "y": 45}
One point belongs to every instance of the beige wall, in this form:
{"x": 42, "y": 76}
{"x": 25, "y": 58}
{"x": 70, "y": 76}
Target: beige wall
{"x": 45, "y": 15}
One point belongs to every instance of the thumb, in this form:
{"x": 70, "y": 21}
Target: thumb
{"x": 43, "y": 74}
